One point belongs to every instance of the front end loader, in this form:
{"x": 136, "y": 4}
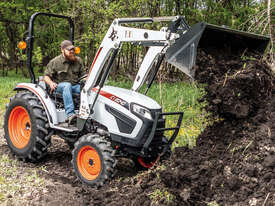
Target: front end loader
{"x": 112, "y": 122}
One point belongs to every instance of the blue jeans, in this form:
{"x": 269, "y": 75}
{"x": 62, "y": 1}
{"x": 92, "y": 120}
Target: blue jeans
{"x": 66, "y": 89}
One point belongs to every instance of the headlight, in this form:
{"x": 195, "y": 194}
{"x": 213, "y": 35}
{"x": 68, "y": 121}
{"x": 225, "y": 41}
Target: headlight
{"x": 142, "y": 111}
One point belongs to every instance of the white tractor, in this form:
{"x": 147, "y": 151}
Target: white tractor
{"x": 112, "y": 122}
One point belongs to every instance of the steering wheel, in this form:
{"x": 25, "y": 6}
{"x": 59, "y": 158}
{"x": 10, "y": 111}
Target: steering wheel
{"x": 82, "y": 78}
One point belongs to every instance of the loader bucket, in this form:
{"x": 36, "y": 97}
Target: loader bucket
{"x": 182, "y": 54}
{"x": 211, "y": 39}
{"x": 234, "y": 41}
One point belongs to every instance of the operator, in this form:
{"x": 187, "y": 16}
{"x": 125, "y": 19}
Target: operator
{"x": 63, "y": 73}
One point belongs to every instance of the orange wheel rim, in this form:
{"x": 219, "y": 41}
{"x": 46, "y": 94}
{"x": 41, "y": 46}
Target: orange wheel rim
{"x": 146, "y": 164}
{"x": 19, "y": 127}
{"x": 88, "y": 162}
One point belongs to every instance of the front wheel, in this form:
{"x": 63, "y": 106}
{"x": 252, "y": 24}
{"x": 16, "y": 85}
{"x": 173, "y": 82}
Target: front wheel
{"x": 93, "y": 160}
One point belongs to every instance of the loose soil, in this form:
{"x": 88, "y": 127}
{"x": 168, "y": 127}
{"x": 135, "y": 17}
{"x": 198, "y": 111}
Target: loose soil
{"x": 233, "y": 162}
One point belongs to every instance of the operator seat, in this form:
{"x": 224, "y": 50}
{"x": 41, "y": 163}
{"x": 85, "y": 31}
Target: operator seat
{"x": 56, "y": 96}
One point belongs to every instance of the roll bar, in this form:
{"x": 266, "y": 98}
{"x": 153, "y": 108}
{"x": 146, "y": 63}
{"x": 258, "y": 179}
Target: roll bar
{"x": 134, "y": 20}
{"x": 30, "y": 38}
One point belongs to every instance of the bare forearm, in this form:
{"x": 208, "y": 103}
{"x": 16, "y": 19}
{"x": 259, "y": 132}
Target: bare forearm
{"x": 48, "y": 80}
{"x": 51, "y": 83}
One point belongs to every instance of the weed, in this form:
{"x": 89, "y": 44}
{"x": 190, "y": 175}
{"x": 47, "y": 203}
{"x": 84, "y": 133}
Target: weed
{"x": 2, "y": 196}
{"x": 213, "y": 203}
{"x": 162, "y": 167}
{"x": 44, "y": 169}
{"x": 158, "y": 195}
{"x": 247, "y": 146}
{"x": 236, "y": 149}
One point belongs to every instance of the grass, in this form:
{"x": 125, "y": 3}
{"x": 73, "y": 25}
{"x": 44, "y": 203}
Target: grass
{"x": 7, "y": 85}
{"x": 174, "y": 97}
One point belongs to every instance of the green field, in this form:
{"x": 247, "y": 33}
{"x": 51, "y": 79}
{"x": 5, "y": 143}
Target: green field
{"x": 181, "y": 96}
{"x": 7, "y": 85}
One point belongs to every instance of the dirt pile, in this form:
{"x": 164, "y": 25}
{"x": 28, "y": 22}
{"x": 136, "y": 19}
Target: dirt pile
{"x": 235, "y": 86}
{"x": 233, "y": 162}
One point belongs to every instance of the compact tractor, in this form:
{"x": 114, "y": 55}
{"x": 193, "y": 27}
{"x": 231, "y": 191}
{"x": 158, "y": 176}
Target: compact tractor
{"x": 112, "y": 122}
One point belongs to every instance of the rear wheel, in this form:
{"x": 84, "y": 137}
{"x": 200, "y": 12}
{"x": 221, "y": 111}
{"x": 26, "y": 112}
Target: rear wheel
{"x": 26, "y": 127}
{"x": 93, "y": 160}
{"x": 142, "y": 163}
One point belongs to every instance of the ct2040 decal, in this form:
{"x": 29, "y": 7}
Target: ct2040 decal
{"x": 112, "y": 97}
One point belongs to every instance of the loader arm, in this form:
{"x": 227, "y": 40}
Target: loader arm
{"x": 146, "y": 66}
{"x": 112, "y": 42}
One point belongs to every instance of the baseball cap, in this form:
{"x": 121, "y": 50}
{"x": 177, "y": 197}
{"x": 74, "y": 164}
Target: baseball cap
{"x": 67, "y": 44}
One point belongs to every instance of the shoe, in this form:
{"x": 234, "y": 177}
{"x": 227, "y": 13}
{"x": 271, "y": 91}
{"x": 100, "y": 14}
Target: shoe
{"x": 72, "y": 119}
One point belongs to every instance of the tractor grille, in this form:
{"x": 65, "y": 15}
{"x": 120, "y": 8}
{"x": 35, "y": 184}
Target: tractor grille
{"x": 157, "y": 139}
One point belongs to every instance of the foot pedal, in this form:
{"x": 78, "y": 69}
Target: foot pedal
{"x": 66, "y": 125}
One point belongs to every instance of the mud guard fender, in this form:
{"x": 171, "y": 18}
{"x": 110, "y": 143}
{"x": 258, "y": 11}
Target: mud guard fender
{"x": 46, "y": 101}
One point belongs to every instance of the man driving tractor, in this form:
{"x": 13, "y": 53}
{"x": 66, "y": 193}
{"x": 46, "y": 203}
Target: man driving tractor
{"x": 62, "y": 75}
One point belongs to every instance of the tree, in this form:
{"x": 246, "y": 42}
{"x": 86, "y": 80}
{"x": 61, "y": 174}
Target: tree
{"x": 93, "y": 17}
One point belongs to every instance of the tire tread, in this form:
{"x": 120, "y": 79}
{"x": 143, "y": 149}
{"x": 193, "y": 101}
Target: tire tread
{"x": 108, "y": 158}
{"x": 42, "y": 140}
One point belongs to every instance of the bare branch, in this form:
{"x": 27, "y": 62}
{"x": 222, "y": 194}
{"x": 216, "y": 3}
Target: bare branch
{"x": 265, "y": 26}
{"x": 270, "y": 30}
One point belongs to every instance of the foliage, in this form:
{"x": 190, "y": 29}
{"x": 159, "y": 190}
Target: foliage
{"x": 93, "y": 17}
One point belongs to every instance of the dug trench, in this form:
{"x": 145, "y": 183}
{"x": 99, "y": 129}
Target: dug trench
{"x": 233, "y": 162}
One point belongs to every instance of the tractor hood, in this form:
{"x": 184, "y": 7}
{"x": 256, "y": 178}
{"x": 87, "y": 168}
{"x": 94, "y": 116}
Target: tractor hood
{"x": 130, "y": 97}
